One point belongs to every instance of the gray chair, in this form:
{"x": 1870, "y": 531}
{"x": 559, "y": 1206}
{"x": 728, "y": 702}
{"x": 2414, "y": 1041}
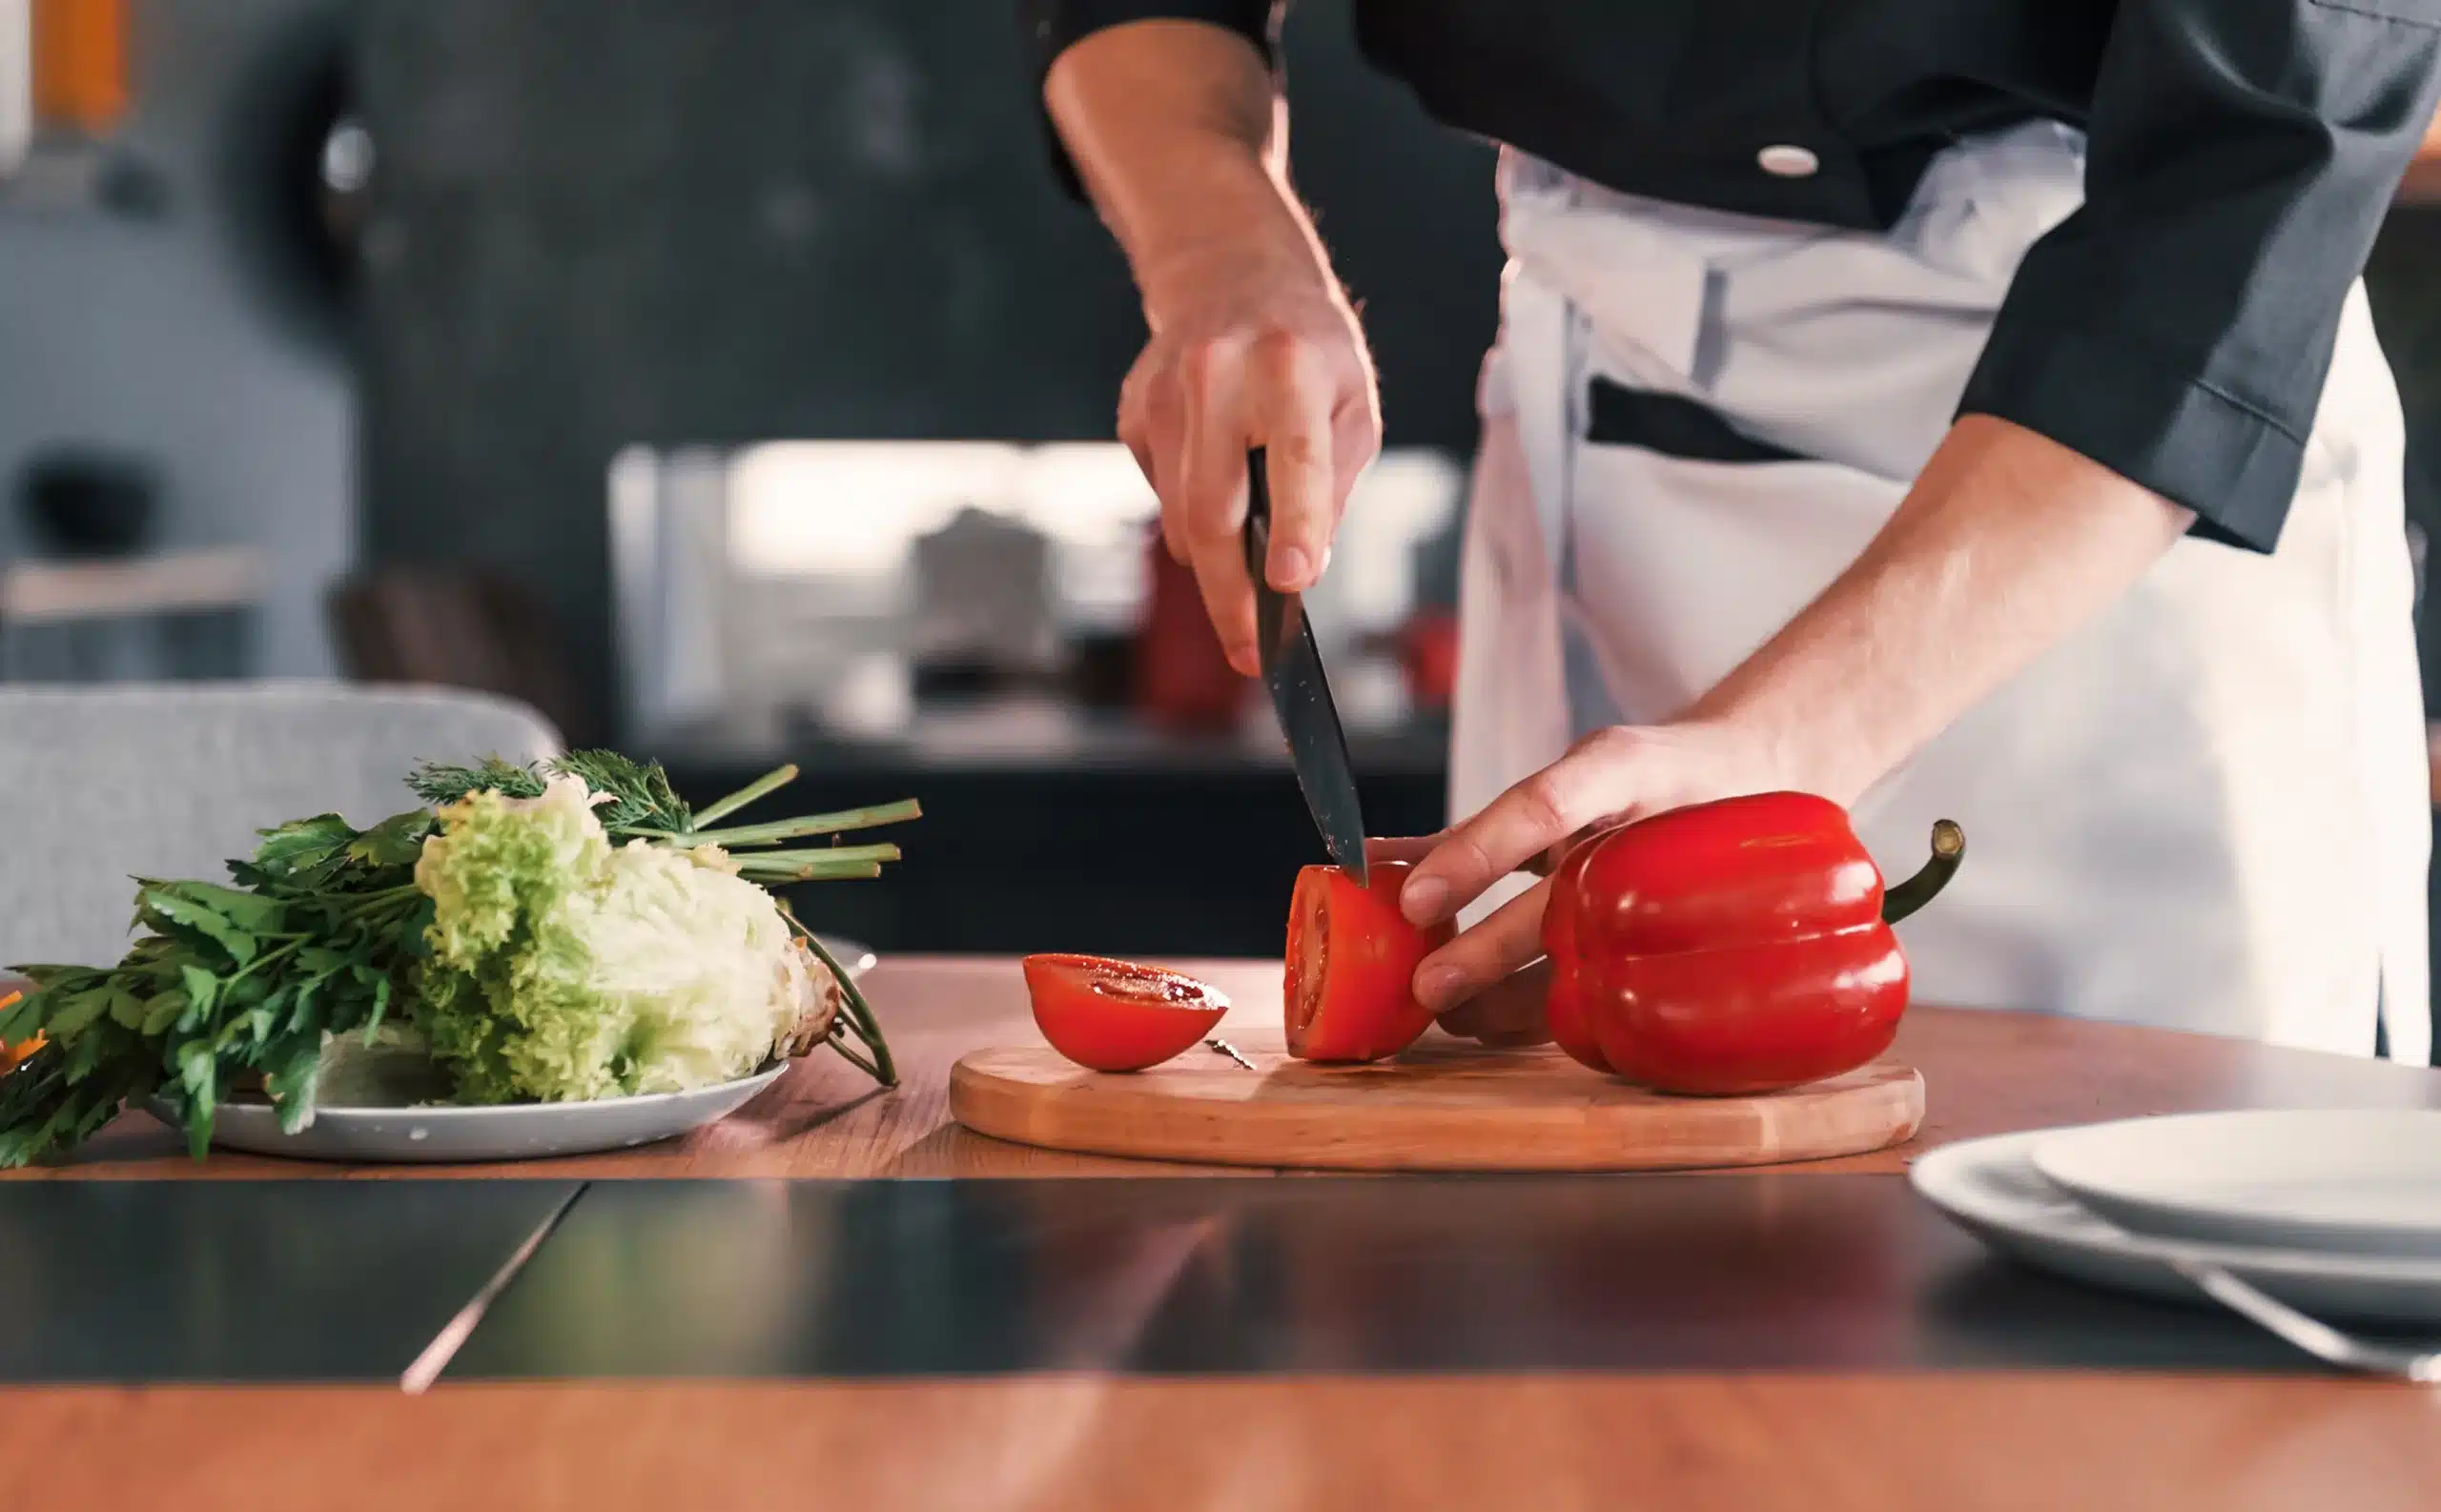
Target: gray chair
{"x": 98, "y": 784}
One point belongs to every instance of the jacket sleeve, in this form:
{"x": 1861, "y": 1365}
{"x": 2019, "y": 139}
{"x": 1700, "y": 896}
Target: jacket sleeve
{"x": 2177, "y": 329}
{"x": 1051, "y": 26}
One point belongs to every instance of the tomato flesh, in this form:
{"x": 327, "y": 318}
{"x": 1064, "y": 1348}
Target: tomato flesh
{"x": 1352, "y": 957}
{"x": 1117, "y": 1016}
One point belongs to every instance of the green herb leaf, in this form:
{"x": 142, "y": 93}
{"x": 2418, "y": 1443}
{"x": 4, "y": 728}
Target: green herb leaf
{"x": 126, "y": 1009}
{"x": 171, "y": 904}
{"x": 85, "y": 1054}
{"x": 161, "y": 1010}
{"x": 22, "y": 1020}
{"x": 291, "y": 1082}
{"x": 436, "y": 784}
{"x": 203, "y": 989}
{"x": 247, "y": 910}
{"x": 395, "y": 842}
{"x": 640, "y": 791}
{"x": 302, "y": 842}
{"x": 76, "y": 1013}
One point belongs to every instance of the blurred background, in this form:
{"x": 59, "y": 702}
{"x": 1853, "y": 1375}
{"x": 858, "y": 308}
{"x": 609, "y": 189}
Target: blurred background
{"x": 733, "y": 384}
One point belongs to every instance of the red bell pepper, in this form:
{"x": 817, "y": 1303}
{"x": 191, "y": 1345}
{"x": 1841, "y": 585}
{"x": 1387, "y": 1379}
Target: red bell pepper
{"x": 1733, "y": 947}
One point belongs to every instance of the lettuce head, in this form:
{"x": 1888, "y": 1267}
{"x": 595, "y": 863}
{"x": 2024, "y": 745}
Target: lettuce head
{"x": 563, "y": 968}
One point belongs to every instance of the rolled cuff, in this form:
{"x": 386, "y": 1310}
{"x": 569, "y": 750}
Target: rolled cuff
{"x": 2172, "y": 432}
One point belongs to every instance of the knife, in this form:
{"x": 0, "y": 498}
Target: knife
{"x": 1292, "y": 668}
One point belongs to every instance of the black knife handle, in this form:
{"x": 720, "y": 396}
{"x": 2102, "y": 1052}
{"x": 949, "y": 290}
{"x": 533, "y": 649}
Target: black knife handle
{"x": 1258, "y": 516}
{"x": 1273, "y": 624}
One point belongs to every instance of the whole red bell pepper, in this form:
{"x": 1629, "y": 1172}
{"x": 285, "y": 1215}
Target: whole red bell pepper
{"x": 1740, "y": 946}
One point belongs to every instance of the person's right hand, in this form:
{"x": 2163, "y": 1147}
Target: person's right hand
{"x": 1252, "y": 345}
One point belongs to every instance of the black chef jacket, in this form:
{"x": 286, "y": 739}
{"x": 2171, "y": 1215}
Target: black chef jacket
{"x": 2177, "y": 329}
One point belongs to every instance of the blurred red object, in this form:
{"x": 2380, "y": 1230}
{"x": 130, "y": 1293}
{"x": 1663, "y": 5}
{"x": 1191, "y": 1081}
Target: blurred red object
{"x": 1429, "y": 647}
{"x": 1183, "y": 682}
{"x": 80, "y": 63}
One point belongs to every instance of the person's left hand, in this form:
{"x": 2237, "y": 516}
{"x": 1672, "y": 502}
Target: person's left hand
{"x": 1488, "y": 983}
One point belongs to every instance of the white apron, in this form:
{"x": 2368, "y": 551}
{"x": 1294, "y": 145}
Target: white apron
{"x": 2207, "y": 810}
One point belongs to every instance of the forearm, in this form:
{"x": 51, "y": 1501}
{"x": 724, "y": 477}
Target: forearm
{"x": 1176, "y": 134}
{"x": 2007, "y": 542}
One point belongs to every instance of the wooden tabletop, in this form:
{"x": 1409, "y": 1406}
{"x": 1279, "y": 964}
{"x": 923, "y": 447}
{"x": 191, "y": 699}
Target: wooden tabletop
{"x": 1691, "y": 1444}
{"x": 1946, "y": 1440}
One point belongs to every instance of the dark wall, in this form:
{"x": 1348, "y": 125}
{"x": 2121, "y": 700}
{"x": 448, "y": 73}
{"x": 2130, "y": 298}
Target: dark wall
{"x": 656, "y": 220}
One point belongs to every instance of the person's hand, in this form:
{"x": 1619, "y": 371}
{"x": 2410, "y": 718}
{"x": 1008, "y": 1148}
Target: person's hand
{"x": 1253, "y": 344}
{"x": 1487, "y": 984}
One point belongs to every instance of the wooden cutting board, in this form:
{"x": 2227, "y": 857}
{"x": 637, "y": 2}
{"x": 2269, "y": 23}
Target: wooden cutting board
{"x": 1446, "y": 1105}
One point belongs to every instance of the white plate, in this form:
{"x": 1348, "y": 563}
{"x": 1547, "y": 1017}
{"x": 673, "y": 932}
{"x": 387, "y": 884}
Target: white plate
{"x": 1992, "y": 1188}
{"x": 518, "y": 1132}
{"x": 2366, "y": 1180}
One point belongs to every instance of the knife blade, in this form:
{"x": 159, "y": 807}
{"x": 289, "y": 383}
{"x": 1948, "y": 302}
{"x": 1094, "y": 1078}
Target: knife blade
{"x": 1300, "y": 693}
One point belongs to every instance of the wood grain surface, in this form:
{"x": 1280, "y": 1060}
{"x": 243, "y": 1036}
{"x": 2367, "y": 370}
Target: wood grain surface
{"x": 1985, "y": 1073}
{"x": 2044, "y": 1442}
{"x": 1444, "y": 1105}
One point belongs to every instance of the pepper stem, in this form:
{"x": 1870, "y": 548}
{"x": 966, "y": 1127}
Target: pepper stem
{"x": 1949, "y": 848}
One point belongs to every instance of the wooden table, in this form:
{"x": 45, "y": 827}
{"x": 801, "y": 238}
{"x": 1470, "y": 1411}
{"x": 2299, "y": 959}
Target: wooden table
{"x": 1949, "y": 1440}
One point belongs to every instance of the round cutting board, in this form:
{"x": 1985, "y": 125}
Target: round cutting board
{"x": 1444, "y": 1105}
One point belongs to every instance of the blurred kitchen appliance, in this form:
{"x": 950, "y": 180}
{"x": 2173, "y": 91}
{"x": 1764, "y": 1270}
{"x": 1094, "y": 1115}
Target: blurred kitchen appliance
{"x": 983, "y": 610}
{"x": 833, "y": 583}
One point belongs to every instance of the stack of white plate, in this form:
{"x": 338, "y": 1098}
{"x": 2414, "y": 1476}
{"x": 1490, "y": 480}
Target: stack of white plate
{"x": 2337, "y": 1213}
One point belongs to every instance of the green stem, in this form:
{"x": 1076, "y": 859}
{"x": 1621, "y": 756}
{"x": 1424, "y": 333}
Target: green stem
{"x": 265, "y": 959}
{"x": 856, "y": 872}
{"x": 860, "y": 1021}
{"x": 761, "y": 787}
{"x": 797, "y": 829}
{"x": 1949, "y": 848}
{"x": 816, "y": 856}
{"x": 867, "y": 1029}
{"x": 839, "y": 1047}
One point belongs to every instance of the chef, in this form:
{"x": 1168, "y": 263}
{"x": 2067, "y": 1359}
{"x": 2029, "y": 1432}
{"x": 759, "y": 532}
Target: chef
{"x": 1958, "y": 408}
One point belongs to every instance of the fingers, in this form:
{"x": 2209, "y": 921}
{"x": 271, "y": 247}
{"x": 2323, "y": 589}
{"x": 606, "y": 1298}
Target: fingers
{"x": 1150, "y": 436}
{"x": 1295, "y": 394}
{"x": 1212, "y": 495}
{"x": 1380, "y": 848}
{"x": 1194, "y": 405}
{"x": 1593, "y": 783}
{"x": 1506, "y": 1014}
{"x": 1483, "y": 955}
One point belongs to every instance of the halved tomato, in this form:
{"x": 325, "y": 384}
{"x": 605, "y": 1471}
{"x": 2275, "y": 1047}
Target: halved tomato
{"x": 1351, "y": 964}
{"x": 1117, "y": 1016}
